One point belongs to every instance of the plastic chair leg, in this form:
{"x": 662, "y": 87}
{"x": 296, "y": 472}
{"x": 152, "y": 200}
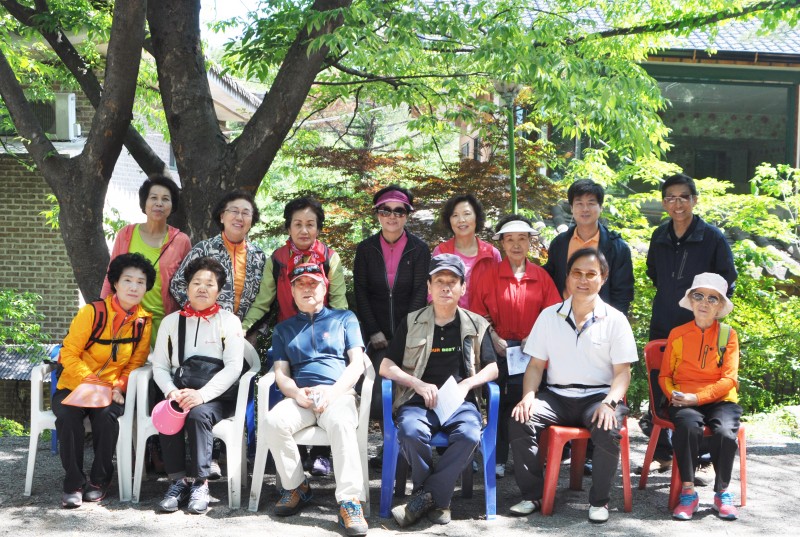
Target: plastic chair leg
{"x": 555, "y": 445}
{"x": 391, "y": 451}
{"x": 32, "y": 447}
{"x": 649, "y": 454}
{"x": 258, "y": 474}
{"x": 577, "y": 462}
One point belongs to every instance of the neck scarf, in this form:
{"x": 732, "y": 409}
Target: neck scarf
{"x": 315, "y": 254}
{"x": 189, "y": 311}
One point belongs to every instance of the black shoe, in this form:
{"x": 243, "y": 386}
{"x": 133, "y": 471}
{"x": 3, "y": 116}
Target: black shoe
{"x": 177, "y": 495}
{"x": 95, "y": 493}
{"x": 198, "y": 498}
{"x": 407, "y": 514}
{"x": 71, "y": 500}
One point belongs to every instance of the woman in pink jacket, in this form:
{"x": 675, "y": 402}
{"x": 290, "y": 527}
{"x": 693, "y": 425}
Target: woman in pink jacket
{"x": 163, "y": 245}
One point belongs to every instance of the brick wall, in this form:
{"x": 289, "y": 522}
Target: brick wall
{"x": 32, "y": 256}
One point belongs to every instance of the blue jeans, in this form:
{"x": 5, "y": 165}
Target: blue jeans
{"x": 416, "y": 425}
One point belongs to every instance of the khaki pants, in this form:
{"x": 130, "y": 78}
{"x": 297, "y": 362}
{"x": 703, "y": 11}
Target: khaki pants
{"x": 339, "y": 420}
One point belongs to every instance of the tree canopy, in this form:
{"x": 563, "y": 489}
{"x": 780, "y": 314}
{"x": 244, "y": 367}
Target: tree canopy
{"x": 579, "y": 61}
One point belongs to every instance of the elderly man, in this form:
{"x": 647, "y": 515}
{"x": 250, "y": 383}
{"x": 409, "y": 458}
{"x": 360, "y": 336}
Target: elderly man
{"x": 430, "y": 346}
{"x": 318, "y": 359}
{"x": 587, "y": 347}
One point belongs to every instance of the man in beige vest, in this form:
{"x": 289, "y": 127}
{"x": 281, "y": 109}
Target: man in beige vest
{"x": 430, "y": 346}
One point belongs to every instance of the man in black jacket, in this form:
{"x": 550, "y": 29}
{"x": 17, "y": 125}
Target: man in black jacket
{"x": 586, "y": 199}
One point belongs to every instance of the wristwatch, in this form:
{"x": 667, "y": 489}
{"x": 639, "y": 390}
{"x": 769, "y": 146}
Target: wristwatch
{"x": 612, "y": 404}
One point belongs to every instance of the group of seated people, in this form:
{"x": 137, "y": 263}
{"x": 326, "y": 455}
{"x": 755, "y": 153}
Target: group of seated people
{"x": 466, "y": 314}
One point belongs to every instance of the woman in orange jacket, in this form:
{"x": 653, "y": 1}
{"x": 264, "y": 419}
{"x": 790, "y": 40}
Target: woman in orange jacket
{"x": 109, "y": 354}
{"x": 699, "y": 373}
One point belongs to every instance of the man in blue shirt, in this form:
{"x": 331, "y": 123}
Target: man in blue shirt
{"x": 319, "y": 357}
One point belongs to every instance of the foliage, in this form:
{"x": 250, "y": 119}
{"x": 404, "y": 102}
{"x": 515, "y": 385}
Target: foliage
{"x": 112, "y": 220}
{"x": 11, "y": 428}
{"x": 20, "y": 320}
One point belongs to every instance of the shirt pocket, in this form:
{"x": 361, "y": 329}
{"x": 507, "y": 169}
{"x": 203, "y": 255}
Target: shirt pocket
{"x": 413, "y": 353}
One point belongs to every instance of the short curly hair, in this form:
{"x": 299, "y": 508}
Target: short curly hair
{"x": 137, "y": 261}
{"x": 450, "y": 207}
{"x": 159, "y": 180}
{"x": 222, "y": 204}
{"x": 206, "y": 263}
{"x": 298, "y": 204}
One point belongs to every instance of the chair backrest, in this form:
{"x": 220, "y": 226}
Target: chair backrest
{"x": 653, "y": 356}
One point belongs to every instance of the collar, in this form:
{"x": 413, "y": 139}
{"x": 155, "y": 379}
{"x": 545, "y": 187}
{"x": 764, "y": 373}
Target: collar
{"x": 308, "y": 317}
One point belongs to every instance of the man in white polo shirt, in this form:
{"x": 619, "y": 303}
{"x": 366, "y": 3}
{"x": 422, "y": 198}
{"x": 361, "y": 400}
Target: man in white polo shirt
{"x": 587, "y": 347}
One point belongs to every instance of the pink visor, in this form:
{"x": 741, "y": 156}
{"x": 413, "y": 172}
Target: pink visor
{"x": 396, "y": 197}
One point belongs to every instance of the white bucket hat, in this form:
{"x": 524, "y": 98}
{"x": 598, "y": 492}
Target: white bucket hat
{"x": 709, "y": 280}
{"x": 514, "y": 226}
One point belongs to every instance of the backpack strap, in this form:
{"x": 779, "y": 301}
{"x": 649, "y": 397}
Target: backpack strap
{"x": 722, "y": 342}
{"x": 181, "y": 338}
{"x": 98, "y": 324}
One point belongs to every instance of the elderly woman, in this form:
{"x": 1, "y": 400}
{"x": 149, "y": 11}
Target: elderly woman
{"x": 303, "y": 220}
{"x": 390, "y": 275}
{"x": 122, "y": 345}
{"x": 700, "y": 375}
{"x": 242, "y": 261}
{"x": 463, "y": 215}
{"x": 510, "y": 294}
{"x": 163, "y": 245}
{"x": 208, "y": 331}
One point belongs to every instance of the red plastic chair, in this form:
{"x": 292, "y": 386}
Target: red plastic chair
{"x": 553, "y": 441}
{"x": 653, "y": 354}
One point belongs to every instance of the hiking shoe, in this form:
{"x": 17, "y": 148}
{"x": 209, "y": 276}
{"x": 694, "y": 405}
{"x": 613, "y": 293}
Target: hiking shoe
{"x": 440, "y": 515}
{"x": 214, "y": 471}
{"x": 687, "y": 506}
{"x": 500, "y": 470}
{"x": 293, "y": 500}
{"x": 407, "y": 514}
{"x": 321, "y": 467}
{"x": 525, "y": 507}
{"x": 598, "y": 514}
{"x": 95, "y": 493}
{"x": 351, "y": 517}
{"x": 723, "y": 505}
{"x": 177, "y": 495}
{"x": 71, "y": 500}
{"x": 198, "y": 498}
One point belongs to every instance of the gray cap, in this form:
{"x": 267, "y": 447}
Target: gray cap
{"x": 449, "y": 262}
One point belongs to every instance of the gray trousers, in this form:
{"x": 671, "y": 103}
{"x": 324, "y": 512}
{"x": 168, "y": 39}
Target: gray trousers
{"x": 552, "y": 409}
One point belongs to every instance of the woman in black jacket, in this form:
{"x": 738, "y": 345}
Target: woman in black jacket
{"x": 390, "y": 275}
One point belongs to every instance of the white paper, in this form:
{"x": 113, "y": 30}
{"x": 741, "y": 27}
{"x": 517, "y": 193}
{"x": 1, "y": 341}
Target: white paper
{"x": 517, "y": 360}
{"x": 448, "y": 400}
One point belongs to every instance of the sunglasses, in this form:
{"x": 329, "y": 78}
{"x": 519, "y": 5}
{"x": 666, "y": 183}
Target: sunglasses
{"x": 310, "y": 269}
{"x": 386, "y": 212}
{"x": 711, "y": 299}
{"x": 579, "y": 275}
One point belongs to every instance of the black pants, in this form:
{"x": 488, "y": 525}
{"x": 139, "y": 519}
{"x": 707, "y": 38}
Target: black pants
{"x": 198, "y": 428}
{"x": 509, "y": 397}
{"x": 554, "y": 409}
{"x": 723, "y": 420}
{"x": 71, "y": 434}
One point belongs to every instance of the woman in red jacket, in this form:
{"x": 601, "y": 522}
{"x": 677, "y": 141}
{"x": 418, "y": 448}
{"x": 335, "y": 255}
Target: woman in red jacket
{"x": 700, "y": 375}
{"x": 163, "y": 245}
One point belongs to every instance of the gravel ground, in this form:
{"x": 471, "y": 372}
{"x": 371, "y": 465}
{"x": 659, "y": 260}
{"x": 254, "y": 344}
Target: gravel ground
{"x": 773, "y": 463}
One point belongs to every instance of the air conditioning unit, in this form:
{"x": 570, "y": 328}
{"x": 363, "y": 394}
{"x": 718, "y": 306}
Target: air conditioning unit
{"x": 58, "y": 117}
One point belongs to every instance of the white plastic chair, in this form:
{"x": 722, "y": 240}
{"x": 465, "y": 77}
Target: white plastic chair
{"x": 42, "y": 419}
{"x": 230, "y": 431}
{"x": 310, "y": 436}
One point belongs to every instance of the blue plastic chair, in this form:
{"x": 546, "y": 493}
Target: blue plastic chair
{"x": 391, "y": 453}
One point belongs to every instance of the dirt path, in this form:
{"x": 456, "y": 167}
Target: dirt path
{"x": 773, "y": 464}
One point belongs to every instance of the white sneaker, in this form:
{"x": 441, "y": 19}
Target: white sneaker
{"x": 500, "y": 470}
{"x": 598, "y": 514}
{"x": 525, "y": 508}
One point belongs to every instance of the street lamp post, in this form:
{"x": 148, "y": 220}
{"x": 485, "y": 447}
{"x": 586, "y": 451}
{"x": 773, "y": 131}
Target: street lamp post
{"x": 508, "y": 93}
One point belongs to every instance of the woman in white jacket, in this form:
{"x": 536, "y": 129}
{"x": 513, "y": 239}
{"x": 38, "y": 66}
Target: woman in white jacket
{"x": 209, "y": 332}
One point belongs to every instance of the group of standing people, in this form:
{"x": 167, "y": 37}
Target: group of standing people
{"x": 556, "y": 338}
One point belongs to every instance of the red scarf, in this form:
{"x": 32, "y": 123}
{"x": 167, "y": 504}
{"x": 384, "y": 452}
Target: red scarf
{"x": 315, "y": 254}
{"x": 189, "y": 311}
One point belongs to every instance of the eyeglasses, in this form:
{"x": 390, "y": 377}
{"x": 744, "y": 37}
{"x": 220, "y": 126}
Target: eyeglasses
{"x": 308, "y": 269}
{"x": 590, "y": 275}
{"x": 711, "y": 299}
{"x": 671, "y": 200}
{"x": 236, "y": 213}
{"x": 398, "y": 212}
